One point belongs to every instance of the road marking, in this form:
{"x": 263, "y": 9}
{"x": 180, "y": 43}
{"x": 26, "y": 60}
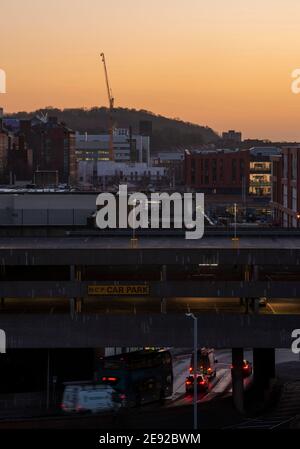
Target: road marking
{"x": 271, "y": 308}
{"x": 261, "y": 423}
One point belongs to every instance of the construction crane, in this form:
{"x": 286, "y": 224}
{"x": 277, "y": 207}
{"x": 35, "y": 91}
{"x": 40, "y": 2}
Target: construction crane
{"x": 111, "y": 102}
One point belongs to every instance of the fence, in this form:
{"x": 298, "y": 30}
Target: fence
{"x": 44, "y": 217}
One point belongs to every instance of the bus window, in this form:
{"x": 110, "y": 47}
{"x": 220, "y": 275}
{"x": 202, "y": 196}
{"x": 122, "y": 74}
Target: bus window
{"x": 113, "y": 364}
{"x": 147, "y": 370}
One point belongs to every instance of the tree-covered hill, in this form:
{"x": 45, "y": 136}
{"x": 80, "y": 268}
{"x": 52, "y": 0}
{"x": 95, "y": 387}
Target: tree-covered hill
{"x": 168, "y": 133}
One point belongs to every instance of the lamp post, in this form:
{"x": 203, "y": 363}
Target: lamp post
{"x": 234, "y": 221}
{"x": 191, "y": 315}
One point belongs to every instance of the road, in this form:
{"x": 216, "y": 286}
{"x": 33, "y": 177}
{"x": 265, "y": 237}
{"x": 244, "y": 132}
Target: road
{"x": 215, "y": 407}
{"x": 220, "y": 386}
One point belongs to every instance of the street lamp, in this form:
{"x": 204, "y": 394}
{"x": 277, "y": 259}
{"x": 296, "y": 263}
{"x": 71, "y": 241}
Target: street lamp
{"x": 191, "y": 315}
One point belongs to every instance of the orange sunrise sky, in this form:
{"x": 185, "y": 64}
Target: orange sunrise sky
{"x": 221, "y": 63}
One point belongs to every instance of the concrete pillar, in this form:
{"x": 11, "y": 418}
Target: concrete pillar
{"x": 263, "y": 368}
{"x": 254, "y": 278}
{"x": 251, "y": 275}
{"x": 72, "y": 272}
{"x": 75, "y": 303}
{"x": 255, "y": 305}
{"x": 78, "y": 305}
{"x": 247, "y": 275}
{"x": 72, "y": 307}
{"x": 237, "y": 379}
{"x": 163, "y": 278}
{"x": 246, "y": 305}
{"x": 99, "y": 353}
{"x": 72, "y": 300}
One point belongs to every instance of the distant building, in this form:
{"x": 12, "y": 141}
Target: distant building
{"x": 128, "y": 147}
{"x": 42, "y": 144}
{"x": 232, "y": 136}
{"x": 4, "y": 148}
{"x": 285, "y": 201}
{"x": 217, "y": 171}
{"x": 174, "y": 163}
{"x": 45, "y": 178}
{"x": 104, "y": 173}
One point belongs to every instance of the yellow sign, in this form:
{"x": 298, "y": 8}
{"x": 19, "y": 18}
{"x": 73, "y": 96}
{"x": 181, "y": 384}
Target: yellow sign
{"x": 111, "y": 290}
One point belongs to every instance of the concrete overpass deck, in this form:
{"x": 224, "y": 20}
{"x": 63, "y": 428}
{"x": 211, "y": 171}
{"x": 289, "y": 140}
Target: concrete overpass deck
{"x": 102, "y": 250}
{"x": 151, "y": 242}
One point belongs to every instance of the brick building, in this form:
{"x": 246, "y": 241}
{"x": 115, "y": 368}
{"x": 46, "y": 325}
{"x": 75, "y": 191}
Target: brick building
{"x": 219, "y": 171}
{"x": 42, "y": 145}
{"x": 4, "y": 147}
{"x": 285, "y": 178}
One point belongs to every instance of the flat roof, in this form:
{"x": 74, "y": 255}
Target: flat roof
{"x": 149, "y": 243}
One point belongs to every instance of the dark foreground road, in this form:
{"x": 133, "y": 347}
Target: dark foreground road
{"x": 218, "y": 414}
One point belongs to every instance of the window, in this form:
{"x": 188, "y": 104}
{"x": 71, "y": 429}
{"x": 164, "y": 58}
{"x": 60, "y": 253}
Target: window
{"x": 206, "y": 171}
{"x": 285, "y": 166}
{"x": 242, "y": 169}
{"x": 214, "y": 170}
{"x": 285, "y": 195}
{"x": 294, "y": 166}
{"x": 233, "y": 170}
{"x": 294, "y": 199}
{"x": 221, "y": 165}
{"x": 193, "y": 171}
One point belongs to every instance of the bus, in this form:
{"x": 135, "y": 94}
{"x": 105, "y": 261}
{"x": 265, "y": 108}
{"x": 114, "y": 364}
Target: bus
{"x": 206, "y": 362}
{"x": 138, "y": 377}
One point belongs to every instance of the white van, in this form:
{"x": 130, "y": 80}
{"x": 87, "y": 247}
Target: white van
{"x": 92, "y": 398}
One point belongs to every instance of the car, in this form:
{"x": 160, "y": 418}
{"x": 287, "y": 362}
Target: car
{"x": 202, "y": 383}
{"x": 89, "y": 398}
{"x": 247, "y": 368}
{"x": 263, "y": 301}
{"x": 206, "y": 363}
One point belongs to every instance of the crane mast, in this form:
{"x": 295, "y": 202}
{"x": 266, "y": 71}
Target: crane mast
{"x": 111, "y": 102}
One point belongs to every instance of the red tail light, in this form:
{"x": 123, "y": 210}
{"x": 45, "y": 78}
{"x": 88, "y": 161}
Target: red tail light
{"x": 191, "y": 369}
{"x": 188, "y": 382}
{"x": 122, "y": 396}
{"x": 209, "y": 370}
{"x": 246, "y": 366}
{"x": 109, "y": 379}
{"x": 79, "y": 408}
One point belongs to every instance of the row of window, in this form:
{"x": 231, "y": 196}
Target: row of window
{"x": 209, "y": 172}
